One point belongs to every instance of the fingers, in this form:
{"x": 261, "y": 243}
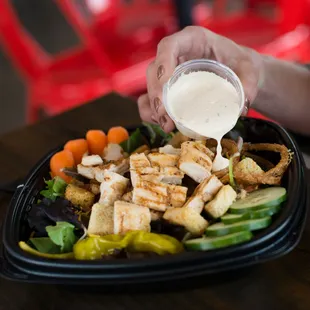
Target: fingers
{"x": 145, "y": 110}
{"x": 184, "y": 45}
{"x": 146, "y": 114}
{"x": 249, "y": 79}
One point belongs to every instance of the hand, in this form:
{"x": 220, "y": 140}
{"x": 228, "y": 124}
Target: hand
{"x": 194, "y": 43}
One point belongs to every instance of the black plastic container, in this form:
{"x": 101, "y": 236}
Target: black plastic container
{"x": 278, "y": 239}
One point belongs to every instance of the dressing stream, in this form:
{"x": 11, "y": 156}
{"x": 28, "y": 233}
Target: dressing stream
{"x": 206, "y": 104}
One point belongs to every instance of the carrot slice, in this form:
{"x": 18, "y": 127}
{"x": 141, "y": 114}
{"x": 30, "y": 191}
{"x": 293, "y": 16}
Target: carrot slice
{"x": 60, "y": 160}
{"x": 78, "y": 148}
{"x": 97, "y": 141}
{"x": 117, "y": 135}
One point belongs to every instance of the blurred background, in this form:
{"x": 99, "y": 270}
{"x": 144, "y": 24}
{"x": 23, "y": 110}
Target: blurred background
{"x": 58, "y": 54}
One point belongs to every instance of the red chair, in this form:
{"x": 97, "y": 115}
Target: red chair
{"x": 118, "y": 42}
{"x": 285, "y": 35}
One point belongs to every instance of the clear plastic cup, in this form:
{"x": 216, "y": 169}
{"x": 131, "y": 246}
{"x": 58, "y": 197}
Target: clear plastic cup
{"x": 201, "y": 65}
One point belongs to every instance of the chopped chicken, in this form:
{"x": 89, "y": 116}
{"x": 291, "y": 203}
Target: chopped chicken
{"x": 101, "y": 220}
{"x": 188, "y": 218}
{"x": 163, "y": 160}
{"x": 145, "y": 174}
{"x": 113, "y": 152}
{"x": 92, "y": 160}
{"x": 195, "y": 203}
{"x": 171, "y": 175}
{"x": 139, "y": 161}
{"x": 208, "y": 188}
{"x": 204, "y": 192}
{"x": 194, "y": 161}
{"x": 247, "y": 169}
{"x": 140, "y": 169}
{"x": 87, "y": 172}
{"x": 130, "y": 217}
{"x": 127, "y": 197}
{"x": 177, "y": 195}
{"x": 112, "y": 188}
{"x": 121, "y": 166}
{"x": 221, "y": 202}
{"x": 156, "y": 215}
{"x": 169, "y": 149}
{"x": 152, "y": 195}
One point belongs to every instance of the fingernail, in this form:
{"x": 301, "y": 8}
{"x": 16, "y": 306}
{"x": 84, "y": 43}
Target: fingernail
{"x": 160, "y": 71}
{"x": 157, "y": 103}
{"x": 162, "y": 121}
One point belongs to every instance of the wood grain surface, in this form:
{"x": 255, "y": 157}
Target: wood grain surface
{"x": 281, "y": 284}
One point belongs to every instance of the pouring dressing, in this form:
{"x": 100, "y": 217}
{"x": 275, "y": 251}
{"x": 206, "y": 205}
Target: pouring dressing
{"x": 206, "y": 104}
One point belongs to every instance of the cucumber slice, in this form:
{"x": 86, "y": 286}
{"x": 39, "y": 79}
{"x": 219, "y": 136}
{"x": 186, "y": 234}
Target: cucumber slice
{"x": 206, "y": 243}
{"x": 228, "y": 219}
{"x": 220, "y": 229}
{"x": 260, "y": 199}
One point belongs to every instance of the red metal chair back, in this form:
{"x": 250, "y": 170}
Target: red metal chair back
{"x": 26, "y": 54}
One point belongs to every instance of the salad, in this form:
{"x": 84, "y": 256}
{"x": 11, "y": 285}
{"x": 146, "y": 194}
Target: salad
{"x": 121, "y": 195}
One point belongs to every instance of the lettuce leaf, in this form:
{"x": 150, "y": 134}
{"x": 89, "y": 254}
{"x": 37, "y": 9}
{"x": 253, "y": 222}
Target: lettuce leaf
{"x": 45, "y": 245}
{"x": 54, "y": 188}
{"x": 135, "y": 140}
{"x": 62, "y": 235}
{"x": 157, "y": 136}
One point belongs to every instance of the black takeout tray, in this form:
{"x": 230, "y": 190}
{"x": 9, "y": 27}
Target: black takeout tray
{"x": 278, "y": 239}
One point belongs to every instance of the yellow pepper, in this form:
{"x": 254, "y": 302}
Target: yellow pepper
{"x": 24, "y": 246}
{"x": 95, "y": 247}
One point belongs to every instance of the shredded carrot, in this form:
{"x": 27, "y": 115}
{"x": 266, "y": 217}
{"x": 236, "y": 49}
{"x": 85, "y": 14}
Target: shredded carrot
{"x": 97, "y": 141}
{"x": 60, "y": 160}
{"x": 78, "y": 148}
{"x": 117, "y": 135}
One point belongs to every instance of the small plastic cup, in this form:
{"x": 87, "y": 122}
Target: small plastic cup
{"x": 201, "y": 65}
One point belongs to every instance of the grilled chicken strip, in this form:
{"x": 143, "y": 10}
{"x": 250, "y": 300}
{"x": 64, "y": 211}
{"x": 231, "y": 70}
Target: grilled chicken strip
{"x": 163, "y": 160}
{"x": 194, "y": 161}
{"x": 112, "y": 188}
{"x": 130, "y": 217}
{"x": 204, "y": 192}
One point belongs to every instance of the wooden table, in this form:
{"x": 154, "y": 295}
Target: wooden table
{"x": 281, "y": 284}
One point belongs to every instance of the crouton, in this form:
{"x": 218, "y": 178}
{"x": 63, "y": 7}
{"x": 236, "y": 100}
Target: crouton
{"x": 188, "y": 218}
{"x": 248, "y": 171}
{"x": 221, "y": 202}
{"x": 101, "y": 220}
{"x": 79, "y": 197}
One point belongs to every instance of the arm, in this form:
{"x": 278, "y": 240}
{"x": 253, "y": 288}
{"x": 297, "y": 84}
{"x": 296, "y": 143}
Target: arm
{"x": 284, "y": 94}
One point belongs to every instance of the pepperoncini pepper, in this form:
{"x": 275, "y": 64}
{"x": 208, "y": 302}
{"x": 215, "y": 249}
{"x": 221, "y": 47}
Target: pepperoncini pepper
{"x": 95, "y": 247}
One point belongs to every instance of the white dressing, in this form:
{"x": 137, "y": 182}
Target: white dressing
{"x": 206, "y": 104}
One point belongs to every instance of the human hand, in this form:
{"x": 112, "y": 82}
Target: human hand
{"x": 195, "y": 43}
